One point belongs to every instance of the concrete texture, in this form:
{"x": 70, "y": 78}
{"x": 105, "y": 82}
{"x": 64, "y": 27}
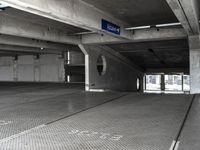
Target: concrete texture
{"x": 135, "y": 121}
{"x": 119, "y": 73}
{"x": 167, "y": 54}
{"x": 34, "y": 105}
{"x": 6, "y": 69}
{"x": 77, "y": 58}
{"x": 189, "y": 139}
{"x": 194, "y": 42}
{"x": 79, "y": 14}
{"x": 135, "y": 12}
{"x": 52, "y": 68}
{"x": 25, "y": 68}
{"x": 187, "y": 12}
{"x": 43, "y": 21}
{"x": 49, "y": 68}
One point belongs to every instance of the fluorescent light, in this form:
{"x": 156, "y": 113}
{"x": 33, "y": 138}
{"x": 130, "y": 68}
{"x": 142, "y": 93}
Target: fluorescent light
{"x": 138, "y": 28}
{"x": 68, "y": 78}
{"x": 168, "y": 24}
{"x": 157, "y": 26}
{"x": 82, "y": 33}
{"x": 68, "y": 57}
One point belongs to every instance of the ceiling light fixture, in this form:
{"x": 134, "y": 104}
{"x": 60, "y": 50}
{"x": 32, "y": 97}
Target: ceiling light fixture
{"x": 153, "y": 26}
{"x": 83, "y": 33}
{"x": 138, "y": 28}
{"x": 168, "y": 25}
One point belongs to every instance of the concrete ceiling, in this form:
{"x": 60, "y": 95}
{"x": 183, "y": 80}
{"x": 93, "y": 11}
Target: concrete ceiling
{"x": 41, "y": 20}
{"x": 35, "y": 19}
{"x": 137, "y": 12}
{"x": 157, "y": 54}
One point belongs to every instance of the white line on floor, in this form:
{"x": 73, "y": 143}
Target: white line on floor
{"x": 177, "y": 145}
{"x": 21, "y": 133}
{"x": 172, "y": 145}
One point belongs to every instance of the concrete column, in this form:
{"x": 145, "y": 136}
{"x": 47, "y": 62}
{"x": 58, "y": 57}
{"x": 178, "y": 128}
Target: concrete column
{"x": 15, "y": 70}
{"x": 145, "y": 82}
{"x": 162, "y": 82}
{"x": 194, "y": 44}
{"x": 37, "y": 69}
{"x": 182, "y": 82}
{"x": 61, "y": 70}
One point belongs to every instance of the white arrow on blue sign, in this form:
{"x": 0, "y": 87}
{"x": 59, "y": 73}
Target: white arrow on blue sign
{"x": 110, "y": 27}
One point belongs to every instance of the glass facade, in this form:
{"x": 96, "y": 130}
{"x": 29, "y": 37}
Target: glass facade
{"x": 174, "y": 83}
{"x": 153, "y": 82}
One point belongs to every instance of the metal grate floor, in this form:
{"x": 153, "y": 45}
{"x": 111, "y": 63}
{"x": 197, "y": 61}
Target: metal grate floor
{"x": 27, "y": 110}
{"x": 133, "y": 122}
{"x": 190, "y": 136}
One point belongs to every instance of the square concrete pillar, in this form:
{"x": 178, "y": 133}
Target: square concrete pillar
{"x": 194, "y": 45}
{"x": 162, "y": 82}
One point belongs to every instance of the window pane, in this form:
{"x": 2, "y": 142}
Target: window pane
{"x": 153, "y": 82}
{"x": 173, "y": 82}
{"x": 186, "y": 82}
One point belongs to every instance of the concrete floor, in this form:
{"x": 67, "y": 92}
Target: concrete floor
{"x": 190, "y": 136}
{"x": 58, "y": 117}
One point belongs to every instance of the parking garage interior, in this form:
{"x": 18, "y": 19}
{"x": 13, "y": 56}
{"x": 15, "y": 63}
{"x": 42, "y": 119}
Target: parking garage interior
{"x": 99, "y": 75}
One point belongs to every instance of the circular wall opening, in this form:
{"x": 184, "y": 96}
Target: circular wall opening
{"x": 101, "y": 65}
{"x": 138, "y": 84}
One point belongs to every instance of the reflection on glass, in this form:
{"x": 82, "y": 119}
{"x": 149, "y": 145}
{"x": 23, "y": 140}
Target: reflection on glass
{"x": 186, "y": 83}
{"x": 153, "y": 82}
{"x": 173, "y": 82}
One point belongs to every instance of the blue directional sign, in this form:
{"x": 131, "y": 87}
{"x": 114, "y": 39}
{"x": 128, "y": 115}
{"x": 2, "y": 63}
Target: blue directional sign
{"x": 110, "y": 27}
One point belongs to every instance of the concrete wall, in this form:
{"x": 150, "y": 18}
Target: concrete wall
{"x": 194, "y": 42}
{"x": 25, "y": 68}
{"x": 51, "y": 68}
{"x": 119, "y": 74}
{"x": 48, "y": 68}
{"x": 76, "y": 69}
{"x": 77, "y": 57}
{"x": 6, "y": 69}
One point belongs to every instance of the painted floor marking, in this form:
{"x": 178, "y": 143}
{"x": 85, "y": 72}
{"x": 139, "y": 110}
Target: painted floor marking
{"x": 172, "y": 145}
{"x": 21, "y": 134}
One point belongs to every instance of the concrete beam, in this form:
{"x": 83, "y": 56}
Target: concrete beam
{"x": 113, "y": 53}
{"x": 162, "y": 84}
{"x": 27, "y": 42}
{"x": 167, "y": 70}
{"x": 121, "y": 57}
{"x": 27, "y": 49}
{"x": 72, "y": 12}
{"x": 139, "y": 36}
{"x": 15, "y": 27}
{"x": 187, "y": 13}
